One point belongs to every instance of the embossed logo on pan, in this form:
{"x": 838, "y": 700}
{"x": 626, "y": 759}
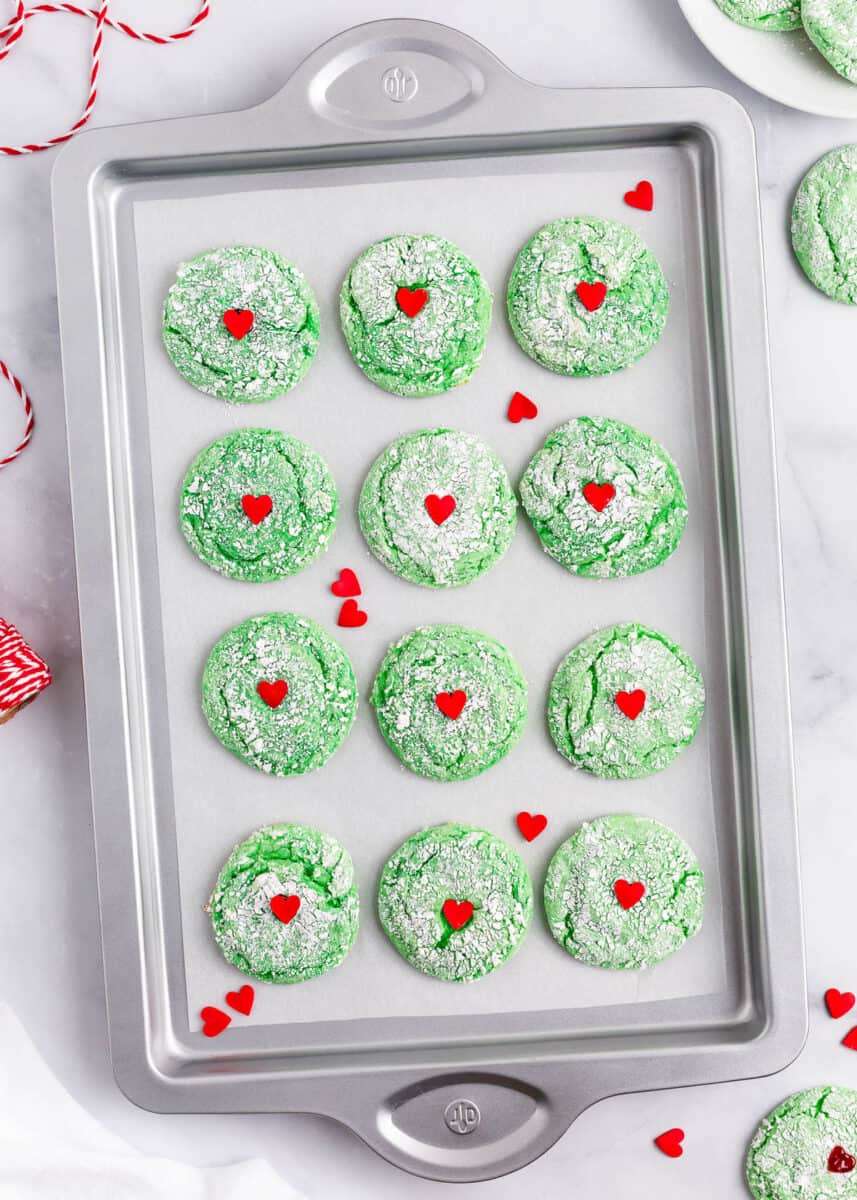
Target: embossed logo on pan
{"x": 462, "y": 1116}
{"x": 399, "y": 84}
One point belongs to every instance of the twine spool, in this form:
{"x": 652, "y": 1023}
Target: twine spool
{"x": 23, "y": 674}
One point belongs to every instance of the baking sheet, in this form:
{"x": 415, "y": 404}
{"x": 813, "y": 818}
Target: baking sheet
{"x": 322, "y": 219}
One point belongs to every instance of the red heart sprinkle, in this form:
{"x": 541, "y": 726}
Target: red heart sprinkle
{"x": 838, "y": 1003}
{"x": 457, "y": 912}
{"x": 239, "y": 321}
{"x": 850, "y": 1039}
{"x": 531, "y": 824}
{"x": 670, "y": 1143}
{"x": 591, "y": 295}
{"x": 629, "y": 894}
{"x": 411, "y": 300}
{"x": 643, "y": 196}
{"x": 598, "y": 495}
{"x": 351, "y": 616}
{"x": 451, "y": 703}
{"x": 214, "y": 1021}
{"x": 273, "y": 693}
{"x": 521, "y": 408}
{"x": 840, "y": 1161}
{"x": 347, "y": 584}
{"x": 439, "y": 508}
{"x": 257, "y": 507}
{"x": 631, "y": 703}
{"x": 242, "y": 1000}
{"x": 285, "y": 908}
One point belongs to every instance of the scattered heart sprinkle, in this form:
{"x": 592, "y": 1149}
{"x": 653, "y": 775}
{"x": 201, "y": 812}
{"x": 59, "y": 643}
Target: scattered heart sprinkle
{"x": 850, "y": 1039}
{"x": 411, "y": 300}
{"x": 670, "y": 1143}
{"x": 631, "y": 704}
{"x": 214, "y": 1020}
{"x": 838, "y": 1003}
{"x": 347, "y": 584}
{"x": 285, "y": 908}
{"x": 257, "y": 507}
{"x": 451, "y": 704}
{"x": 840, "y": 1162}
{"x": 273, "y": 693}
{"x": 351, "y": 616}
{"x": 440, "y": 508}
{"x": 531, "y": 824}
{"x": 591, "y": 295}
{"x": 242, "y": 1000}
{"x": 629, "y": 894}
{"x": 521, "y": 408}
{"x": 642, "y": 196}
{"x": 457, "y": 913}
{"x": 239, "y": 321}
{"x": 598, "y": 495}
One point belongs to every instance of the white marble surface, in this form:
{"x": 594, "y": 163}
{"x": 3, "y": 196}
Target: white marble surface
{"x": 49, "y": 954}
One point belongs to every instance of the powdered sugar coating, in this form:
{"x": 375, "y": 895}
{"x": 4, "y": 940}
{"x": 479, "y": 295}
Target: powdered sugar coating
{"x": 788, "y": 1156}
{"x": 584, "y": 913}
{"x": 588, "y": 726}
{"x": 313, "y": 719}
{"x": 776, "y": 16}
{"x": 637, "y": 529}
{"x": 448, "y": 658}
{"x": 550, "y": 321}
{"x": 399, "y": 530}
{"x": 285, "y": 860}
{"x": 832, "y": 26}
{"x": 824, "y": 224}
{"x": 258, "y": 462}
{"x": 277, "y": 352}
{"x": 460, "y": 863}
{"x": 435, "y": 350}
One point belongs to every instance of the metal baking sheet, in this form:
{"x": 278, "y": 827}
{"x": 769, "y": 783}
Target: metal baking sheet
{"x": 348, "y": 153}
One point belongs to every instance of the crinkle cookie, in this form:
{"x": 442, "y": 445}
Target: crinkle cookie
{"x": 605, "y": 499}
{"x": 806, "y": 1149}
{"x": 450, "y": 701}
{"x": 776, "y": 16}
{"x": 587, "y": 297}
{"x": 241, "y": 323}
{"x": 625, "y": 702}
{"x": 623, "y": 892}
{"x": 415, "y": 312}
{"x": 437, "y": 508}
{"x": 832, "y": 26}
{"x": 280, "y": 693}
{"x": 258, "y": 505}
{"x": 455, "y": 901}
{"x": 285, "y": 908}
{"x": 824, "y": 224}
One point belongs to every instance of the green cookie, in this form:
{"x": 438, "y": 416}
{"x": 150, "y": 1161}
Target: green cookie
{"x": 776, "y": 16}
{"x": 437, "y": 508}
{"x": 309, "y": 878}
{"x": 806, "y": 1148}
{"x": 280, "y": 693}
{"x": 273, "y": 317}
{"x": 625, "y": 702}
{"x": 547, "y": 311}
{"x": 455, "y": 901}
{"x": 450, "y": 702}
{"x": 623, "y": 892}
{"x": 415, "y": 312}
{"x": 605, "y": 499}
{"x": 258, "y": 505}
{"x": 824, "y": 224}
{"x": 832, "y": 26}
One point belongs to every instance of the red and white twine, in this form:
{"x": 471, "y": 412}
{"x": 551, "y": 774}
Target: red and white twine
{"x": 10, "y": 36}
{"x": 22, "y": 673}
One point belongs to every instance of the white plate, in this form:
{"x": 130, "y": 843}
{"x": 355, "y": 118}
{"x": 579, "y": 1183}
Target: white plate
{"x": 785, "y": 66}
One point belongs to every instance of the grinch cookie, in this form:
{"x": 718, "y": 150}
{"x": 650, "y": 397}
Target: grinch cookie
{"x": 623, "y": 892}
{"x": 776, "y": 16}
{"x": 285, "y": 907}
{"x": 824, "y": 224}
{"x": 806, "y": 1149}
{"x": 832, "y": 26}
{"x": 415, "y": 312}
{"x": 605, "y": 499}
{"x": 587, "y": 297}
{"x": 455, "y": 901}
{"x": 450, "y": 702}
{"x": 241, "y": 323}
{"x": 258, "y": 505}
{"x": 625, "y": 702}
{"x": 280, "y": 693}
{"x": 437, "y": 508}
